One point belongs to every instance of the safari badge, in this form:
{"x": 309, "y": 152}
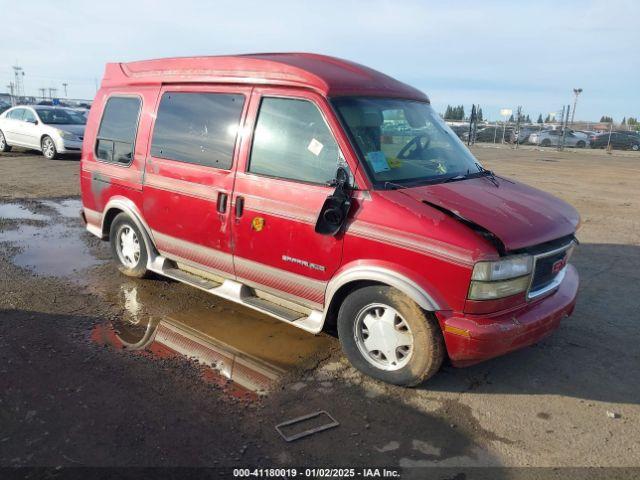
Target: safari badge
{"x": 257, "y": 224}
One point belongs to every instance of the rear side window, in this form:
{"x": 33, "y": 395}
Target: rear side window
{"x": 198, "y": 128}
{"x": 16, "y": 114}
{"x": 292, "y": 141}
{"x": 117, "y": 134}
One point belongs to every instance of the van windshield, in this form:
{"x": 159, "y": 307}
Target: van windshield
{"x": 404, "y": 142}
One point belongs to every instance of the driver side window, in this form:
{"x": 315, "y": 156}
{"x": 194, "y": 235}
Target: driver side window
{"x": 29, "y": 116}
{"x": 292, "y": 141}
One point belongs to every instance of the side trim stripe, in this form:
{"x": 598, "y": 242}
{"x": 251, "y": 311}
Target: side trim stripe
{"x": 409, "y": 241}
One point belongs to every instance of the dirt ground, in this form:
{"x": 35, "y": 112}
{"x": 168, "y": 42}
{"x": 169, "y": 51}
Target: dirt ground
{"x": 69, "y": 398}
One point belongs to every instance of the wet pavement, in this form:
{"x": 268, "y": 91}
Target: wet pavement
{"x": 47, "y": 237}
{"x": 231, "y": 343}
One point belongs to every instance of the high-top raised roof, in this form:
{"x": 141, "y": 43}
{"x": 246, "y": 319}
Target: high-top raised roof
{"x": 328, "y": 75}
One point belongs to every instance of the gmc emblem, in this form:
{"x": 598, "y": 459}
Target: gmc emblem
{"x": 559, "y": 265}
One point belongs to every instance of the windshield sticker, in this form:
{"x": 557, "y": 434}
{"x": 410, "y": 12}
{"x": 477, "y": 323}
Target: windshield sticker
{"x": 394, "y": 162}
{"x": 315, "y": 147}
{"x": 378, "y": 161}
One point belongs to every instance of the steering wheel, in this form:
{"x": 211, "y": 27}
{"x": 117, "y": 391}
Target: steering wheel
{"x": 417, "y": 144}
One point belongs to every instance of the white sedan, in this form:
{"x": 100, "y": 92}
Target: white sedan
{"x": 52, "y": 130}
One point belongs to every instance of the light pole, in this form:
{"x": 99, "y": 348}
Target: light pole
{"x": 65, "y": 89}
{"x": 576, "y": 92}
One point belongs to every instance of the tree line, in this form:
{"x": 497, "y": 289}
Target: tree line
{"x": 457, "y": 113}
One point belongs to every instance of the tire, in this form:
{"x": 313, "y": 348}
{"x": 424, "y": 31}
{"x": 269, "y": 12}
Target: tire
{"x": 3, "y": 143}
{"x": 580, "y": 144}
{"x": 128, "y": 246}
{"x": 390, "y": 315}
{"x": 48, "y": 148}
{"x": 635, "y": 147}
{"x": 545, "y": 143}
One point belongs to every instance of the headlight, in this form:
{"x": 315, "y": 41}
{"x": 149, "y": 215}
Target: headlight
{"x": 66, "y": 135}
{"x": 502, "y": 278}
{"x": 508, "y": 267}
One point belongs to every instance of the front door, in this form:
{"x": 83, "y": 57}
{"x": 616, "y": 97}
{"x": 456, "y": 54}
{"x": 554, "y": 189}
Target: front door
{"x": 278, "y": 194}
{"x": 189, "y": 174}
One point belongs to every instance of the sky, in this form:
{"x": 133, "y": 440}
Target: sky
{"x": 499, "y": 54}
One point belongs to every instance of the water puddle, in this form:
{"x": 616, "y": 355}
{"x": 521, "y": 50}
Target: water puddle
{"x": 53, "y": 249}
{"x": 15, "y": 211}
{"x": 233, "y": 344}
{"x": 69, "y": 208}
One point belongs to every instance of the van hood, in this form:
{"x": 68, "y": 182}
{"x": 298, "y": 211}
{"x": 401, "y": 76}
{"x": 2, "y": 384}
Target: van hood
{"x": 518, "y": 215}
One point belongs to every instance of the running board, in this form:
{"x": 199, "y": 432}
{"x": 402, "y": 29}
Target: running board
{"x": 190, "y": 278}
{"x": 241, "y": 294}
{"x": 277, "y": 310}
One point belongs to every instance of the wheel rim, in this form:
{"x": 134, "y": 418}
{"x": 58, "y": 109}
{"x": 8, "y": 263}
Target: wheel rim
{"x": 383, "y": 337}
{"x": 635, "y": 147}
{"x": 127, "y": 246}
{"x": 48, "y": 148}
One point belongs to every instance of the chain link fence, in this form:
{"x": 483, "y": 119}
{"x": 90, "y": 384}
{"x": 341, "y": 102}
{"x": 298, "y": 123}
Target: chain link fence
{"x": 560, "y": 134}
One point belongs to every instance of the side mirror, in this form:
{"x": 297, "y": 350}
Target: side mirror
{"x": 335, "y": 209}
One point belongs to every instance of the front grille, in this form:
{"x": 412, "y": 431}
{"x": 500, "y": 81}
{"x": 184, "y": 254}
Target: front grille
{"x": 543, "y": 273}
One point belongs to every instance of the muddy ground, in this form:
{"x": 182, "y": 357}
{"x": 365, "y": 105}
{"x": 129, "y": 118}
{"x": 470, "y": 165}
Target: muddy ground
{"x": 69, "y": 397}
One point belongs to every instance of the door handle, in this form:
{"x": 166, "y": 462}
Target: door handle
{"x": 239, "y": 206}
{"x": 221, "y": 205}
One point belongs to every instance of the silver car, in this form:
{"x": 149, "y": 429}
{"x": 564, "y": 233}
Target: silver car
{"x": 52, "y": 130}
{"x": 549, "y": 138}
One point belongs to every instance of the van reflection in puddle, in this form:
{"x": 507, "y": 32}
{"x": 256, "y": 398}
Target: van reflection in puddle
{"x": 250, "y": 349}
{"x": 163, "y": 338}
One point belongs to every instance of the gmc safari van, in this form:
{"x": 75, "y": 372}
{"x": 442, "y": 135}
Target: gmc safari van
{"x": 325, "y": 194}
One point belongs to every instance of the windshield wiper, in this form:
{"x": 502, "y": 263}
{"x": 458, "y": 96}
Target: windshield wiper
{"x": 489, "y": 174}
{"x": 394, "y": 186}
{"x": 455, "y": 178}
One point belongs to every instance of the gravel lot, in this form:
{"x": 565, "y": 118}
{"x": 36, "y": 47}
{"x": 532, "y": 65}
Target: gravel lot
{"x": 67, "y": 400}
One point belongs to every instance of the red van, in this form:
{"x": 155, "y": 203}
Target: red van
{"x": 324, "y": 193}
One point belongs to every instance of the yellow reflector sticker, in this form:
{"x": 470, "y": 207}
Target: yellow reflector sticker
{"x": 457, "y": 331}
{"x": 257, "y": 224}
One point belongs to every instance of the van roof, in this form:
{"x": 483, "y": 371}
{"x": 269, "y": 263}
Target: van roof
{"x": 329, "y": 76}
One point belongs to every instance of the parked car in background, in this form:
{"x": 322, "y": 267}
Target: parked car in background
{"x": 523, "y": 135}
{"x": 4, "y": 106}
{"x": 491, "y": 133}
{"x": 52, "y": 130}
{"x": 324, "y": 194}
{"x": 619, "y": 140}
{"x": 549, "y": 138}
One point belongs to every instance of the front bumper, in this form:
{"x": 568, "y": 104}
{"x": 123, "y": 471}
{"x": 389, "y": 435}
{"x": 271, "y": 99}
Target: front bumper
{"x": 473, "y": 338}
{"x": 68, "y": 146}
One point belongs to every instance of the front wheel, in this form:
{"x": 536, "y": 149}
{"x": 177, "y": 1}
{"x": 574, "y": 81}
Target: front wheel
{"x": 3, "y": 143}
{"x": 635, "y": 147}
{"x": 49, "y": 148}
{"x": 128, "y": 246}
{"x": 387, "y": 336}
{"x": 580, "y": 144}
{"x": 545, "y": 143}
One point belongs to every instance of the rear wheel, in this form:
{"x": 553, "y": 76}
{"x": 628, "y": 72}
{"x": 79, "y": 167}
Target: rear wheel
{"x": 128, "y": 246}
{"x": 387, "y": 336}
{"x": 545, "y": 143}
{"x": 3, "y": 143}
{"x": 48, "y": 148}
{"x": 580, "y": 144}
{"x": 635, "y": 147}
